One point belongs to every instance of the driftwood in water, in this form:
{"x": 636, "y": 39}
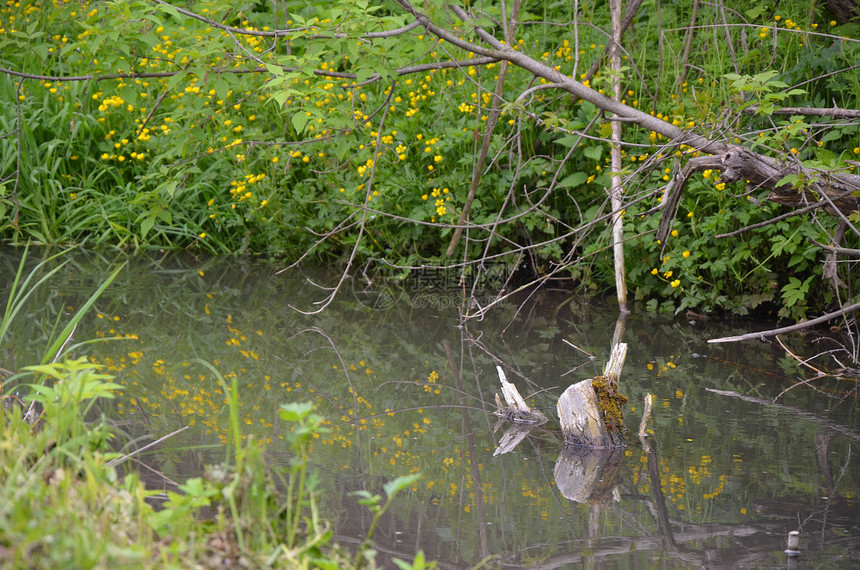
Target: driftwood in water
{"x": 516, "y": 411}
{"x": 590, "y": 411}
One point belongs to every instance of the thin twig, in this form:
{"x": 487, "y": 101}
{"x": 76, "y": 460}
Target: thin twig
{"x": 585, "y": 352}
{"x": 118, "y": 460}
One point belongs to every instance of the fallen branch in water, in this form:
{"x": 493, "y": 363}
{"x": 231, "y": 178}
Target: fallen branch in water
{"x": 799, "y": 326}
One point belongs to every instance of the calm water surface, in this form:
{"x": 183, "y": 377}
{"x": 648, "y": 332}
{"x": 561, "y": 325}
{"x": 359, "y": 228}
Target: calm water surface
{"x": 740, "y": 454}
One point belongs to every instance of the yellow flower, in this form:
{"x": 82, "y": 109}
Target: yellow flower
{"x": 686, "y": 253}
{"x": 674, "y": 233}
{"x": 202, "y": 235}
{"x": 654, "y": 271}
{"x": 675, "y": 283}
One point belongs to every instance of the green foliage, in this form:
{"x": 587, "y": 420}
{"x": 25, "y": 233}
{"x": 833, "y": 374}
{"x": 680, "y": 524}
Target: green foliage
{"x": 377, "y": 508}
{"x": 327, "y": 140}
{"x": 762, "y": 89}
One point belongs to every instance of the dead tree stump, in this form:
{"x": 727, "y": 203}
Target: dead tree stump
{"x": 591, "y": 411}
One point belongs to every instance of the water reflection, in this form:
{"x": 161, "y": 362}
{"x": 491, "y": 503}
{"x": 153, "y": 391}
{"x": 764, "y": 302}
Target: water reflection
{"x": 405, "y": 388}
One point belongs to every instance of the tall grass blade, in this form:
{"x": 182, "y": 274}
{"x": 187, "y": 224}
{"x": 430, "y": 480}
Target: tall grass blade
{"x": 17, "y": 297}
{"x": 62, "y": 338}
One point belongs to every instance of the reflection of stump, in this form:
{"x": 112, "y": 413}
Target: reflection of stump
{"x": 590, "y": 411}
{"x": 587, "y": 474}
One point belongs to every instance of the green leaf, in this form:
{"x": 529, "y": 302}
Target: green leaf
{"x": 568, "y": 141}
{"x": 295, "y": 411}
{"x": 393, "y": 487}
{"x": 573, "y": 180}
{"x": 222, "y": 88}
{"x": 300, "y": 120}
{"x": 276, "y": 70}
{"x": 593, "y": 152}
{"x": 174, "y": 81}
{"x": 146, "y": 225}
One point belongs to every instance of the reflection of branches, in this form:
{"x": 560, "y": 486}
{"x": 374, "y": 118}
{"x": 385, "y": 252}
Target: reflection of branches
{"x": 847, "y": 432}
{"x": 343, "y": 366}
{"x": 472, "y": 459}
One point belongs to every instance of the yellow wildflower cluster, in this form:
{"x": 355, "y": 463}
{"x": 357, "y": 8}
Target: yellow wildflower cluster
{"x": 239, "y": 189}
{"x": 114, "y": 101}
{"x": 362, "y": 168}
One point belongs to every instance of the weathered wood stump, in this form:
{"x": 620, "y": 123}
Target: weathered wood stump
{"x": 591, "y": 411}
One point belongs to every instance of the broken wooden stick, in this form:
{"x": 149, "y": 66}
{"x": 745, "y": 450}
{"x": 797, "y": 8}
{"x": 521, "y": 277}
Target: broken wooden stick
{"x": 516, "y": 411}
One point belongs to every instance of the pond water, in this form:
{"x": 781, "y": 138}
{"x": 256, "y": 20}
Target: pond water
{"x": 740, "y": 453}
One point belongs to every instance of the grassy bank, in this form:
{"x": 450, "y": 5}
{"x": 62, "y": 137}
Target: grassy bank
{"x": 67, "y": 501}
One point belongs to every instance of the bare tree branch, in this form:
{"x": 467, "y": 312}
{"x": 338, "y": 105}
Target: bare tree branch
{"x": 799, "y": 326}
{"x": 811, "y": 112}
